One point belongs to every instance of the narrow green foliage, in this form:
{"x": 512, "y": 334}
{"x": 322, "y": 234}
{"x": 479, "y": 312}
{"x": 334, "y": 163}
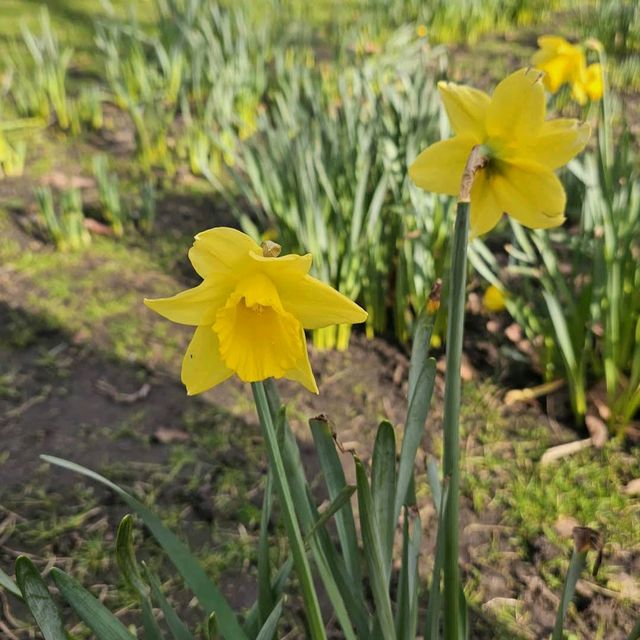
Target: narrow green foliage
{"x": 383, "y": 489}
{"x": 108, "y": 187}
{"x": 187, "y": 565}
{"x": 90, "y": 610}
{"x": 7, "y": 583}
{"x": 576, "y": 566}
{"x": 374, "y": 555}
{"x": 312, "y": 606}
{"x": 336, "y": 482}
{"x": 37, "y": 597}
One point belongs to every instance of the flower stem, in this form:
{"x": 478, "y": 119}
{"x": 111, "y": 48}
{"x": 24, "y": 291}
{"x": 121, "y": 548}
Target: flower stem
{"x": 455, "y": 331}
{"x": 301, "y": 563}
{"x": 453, "y": 618}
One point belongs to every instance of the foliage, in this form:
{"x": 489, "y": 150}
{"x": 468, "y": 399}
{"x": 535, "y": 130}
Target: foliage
{"x": 66, "y": 228}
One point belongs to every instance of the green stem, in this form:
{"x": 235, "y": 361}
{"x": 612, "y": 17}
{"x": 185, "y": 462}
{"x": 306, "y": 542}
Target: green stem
{"x": 301, "y": 563}
{"x": 455, "y": 332}
{"x": 576, "y": 566}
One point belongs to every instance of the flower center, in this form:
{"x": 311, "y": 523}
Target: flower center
{"x": 258, "y": 338}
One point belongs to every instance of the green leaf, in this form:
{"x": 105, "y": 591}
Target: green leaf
{"x": 210, "y": 597}
{"x": 268, "y": 630}
{"x": 37, "y": 597}
{"x": 92, "y": 612}
{"x": 7, "y": 583}
{"x": 126, "y": 558}
{"x": 346, "y": 605}
{"x": 635, "y": 632}
{"x": 265, "y": 595}
{"x": 335, "y": 480}
{"x": 289, "y": 514}
{"x": 340, "y": 501}
{"x": 407, "y": 608}
{"x": 576, "y": 566}
{"x": 178, "y": 628}
{"x": 150, "y": 625}
{"x": 422, "y": 376}
{"x": 432, "y": 618}
{"x": 383, "y": 488}
{"x": 212, "y": 627}
{"x": 372, "y": 545}
{"x": 277, "y": 587}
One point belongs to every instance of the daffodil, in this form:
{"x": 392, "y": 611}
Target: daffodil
{"x": 250, "y": 312}
{"x": 565, "y": 63}
{"x": 589, "y": 84}
{"x": 561, "y": 61}
{"x": 521, "y": 150}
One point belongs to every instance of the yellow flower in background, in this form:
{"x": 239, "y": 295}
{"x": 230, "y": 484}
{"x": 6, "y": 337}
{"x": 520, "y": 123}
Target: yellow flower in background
{"x": 493, "y": 299}
{"x": 523, "y": 150}
{"x": 565, "y": 63}
{"x": 250, "y": 311}
{"x": 560, "y": 60}
{"x": 589, "y": 85}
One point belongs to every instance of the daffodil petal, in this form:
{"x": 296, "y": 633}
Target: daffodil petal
{"x": 530, "y": 193}
{"x": 517, "y": 107}
{"x": 439, "y": 167}
{"x": 485, "y": 207}
{"x": 222, "y": 250}
{"x": 466, "y": 108}
{"x": 558, "y": 141}
{"x": 202, "y": 366}
{"x": 302, "y": 372}
{"x": 282, "y": 266}
{"x": 316, "y": 304}
{"x": 594, "y": 82}
{"x": 194, "y": 306}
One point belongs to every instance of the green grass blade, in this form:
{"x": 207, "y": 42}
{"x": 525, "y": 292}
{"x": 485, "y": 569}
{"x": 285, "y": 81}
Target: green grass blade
{"x": 268, "y": 630}
{"x": 383, "y": 488}
{"x": 373, "y": 553}
{"x": 278, "y": 583}
{"x": 289, "y": 514}
{"x": 335, "y": 480}
{"x": 178, "y": 629}
{"x": 7, "y": 583}
{"x": 37, "y": 597}
{"x": 126, "y": 558}
{"x": 432, "y": 618}
{"x": 407, "y": 608}
{"x": 336, "y": 505}
{"x": 90, "y": 610}
{"x": 347, "y": 606}
{"x": 150, "y": 625}
{"x": 422, "y": 376}
{"x": 576, "y": 566}
{"x": 266, "y": 600}
{"x": 210, "y": 597}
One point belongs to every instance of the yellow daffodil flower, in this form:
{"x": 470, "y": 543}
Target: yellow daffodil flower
{"x": 493, "y": 299}
{"x": 560, "y": 60}
{"x": 565, "y": 63}
{"x": 521, "y": 147}
{"x": 250, "y": 312}
{"x": 589, "y": 85}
